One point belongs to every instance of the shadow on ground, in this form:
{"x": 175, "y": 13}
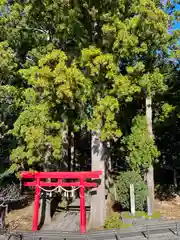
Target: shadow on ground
{"x": 166, "y": 192}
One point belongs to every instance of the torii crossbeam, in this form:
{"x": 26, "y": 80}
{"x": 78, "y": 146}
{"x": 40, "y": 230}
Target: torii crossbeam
{"x": 39, "y": 181}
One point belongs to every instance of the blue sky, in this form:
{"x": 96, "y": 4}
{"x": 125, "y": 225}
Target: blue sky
{"x": 177, "y": 26}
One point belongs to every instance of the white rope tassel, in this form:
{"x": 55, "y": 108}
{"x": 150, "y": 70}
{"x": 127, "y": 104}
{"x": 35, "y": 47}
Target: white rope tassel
{"x": 73, "y": 193}
{"x": 66, "y": 194}
{"x": 59, "y": 190}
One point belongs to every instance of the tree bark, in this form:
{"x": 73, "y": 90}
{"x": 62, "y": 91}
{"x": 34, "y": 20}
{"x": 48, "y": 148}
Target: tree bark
{"x": 45, "y": 209}
{"x": 175, "y": 177}
{"x": 72, "y": 151}
{"x": 150, "y": 173}
{"x": 98, "y": 204}
{"x": 65, "y": 163}
{"x": 46, "y": 201}
{"x": 69, "y": 150}
{"x": 108, "y": 165}
{"x": 47, "y": 204}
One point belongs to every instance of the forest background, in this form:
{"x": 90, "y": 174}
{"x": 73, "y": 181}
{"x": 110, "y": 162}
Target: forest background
{"x": 91, "y": 85}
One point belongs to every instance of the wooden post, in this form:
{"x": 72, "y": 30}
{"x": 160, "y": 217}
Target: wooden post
{"x": 82, "y": 207}
{"x": 132, "y": 199}
{"x": 36, "y": 205}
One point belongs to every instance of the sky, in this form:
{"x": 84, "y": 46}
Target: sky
{"x": 177, "y": 26}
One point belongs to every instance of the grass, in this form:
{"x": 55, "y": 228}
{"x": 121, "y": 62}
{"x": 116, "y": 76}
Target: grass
{"x": 155, "y": 215}
{"x": 126, "y": 215}
{"x": 126, "y": 225}
{"x": 140, "y": 214}
{"x": 113, "y": 221}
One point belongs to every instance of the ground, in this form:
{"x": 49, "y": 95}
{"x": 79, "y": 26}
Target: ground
{"x": 22, "y": 219}
{"x": 169, "y": 209}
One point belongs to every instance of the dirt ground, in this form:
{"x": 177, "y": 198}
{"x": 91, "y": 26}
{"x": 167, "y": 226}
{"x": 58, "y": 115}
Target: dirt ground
{"x": 22, "y": 219}
{"x": 169, "y": 209}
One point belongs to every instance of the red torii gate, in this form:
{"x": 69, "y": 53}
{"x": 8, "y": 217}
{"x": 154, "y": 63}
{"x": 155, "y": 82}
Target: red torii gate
{"x": 38, "y": 183}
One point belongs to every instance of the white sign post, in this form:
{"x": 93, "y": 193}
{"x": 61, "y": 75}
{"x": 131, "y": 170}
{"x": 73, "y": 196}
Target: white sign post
{"x": 132, "y": 199}
{"x": 149, "y": 210}
{"x": 115, "y": 194}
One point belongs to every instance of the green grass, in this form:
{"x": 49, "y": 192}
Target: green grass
{"x": 126, "y": 215}
{"x": 126, "y": 225}
{"x": 113, "y": 221}
{"x": 155, "y": 215}
{"x": 140, "y": 214}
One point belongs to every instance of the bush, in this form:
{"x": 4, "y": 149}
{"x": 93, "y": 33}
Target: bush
{"x": 113, "y": 221}
{"x": 123, "y": 182}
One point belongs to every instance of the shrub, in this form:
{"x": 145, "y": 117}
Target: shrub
{"x": 113, "y": 221}
{"x": 123, "y": 182}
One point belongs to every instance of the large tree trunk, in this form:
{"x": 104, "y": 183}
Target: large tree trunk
{"x": 48, "y": 206}
{"x": 150, "y": 173}
{"x": 108, "y": 165}
{"x": 175, "y": 177}
{"x": 46, "y": 200}
{"x": 70, "y": 149}
{"x": 98, "y": 204}
{"x": 64, "y": 166}
{"x": 45, "y": 208}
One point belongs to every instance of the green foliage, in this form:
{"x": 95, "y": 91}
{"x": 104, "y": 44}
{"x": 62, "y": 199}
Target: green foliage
{"x": 102, "y": 70}
{"x": 9, "y": 109}
{"x": 9, "y": 99}
{"x": 54, "y": 81}
{"x": 123, "y": 182}
{"x": 104, "y": 118}
{"x": 34, "y": 55}
{"x": 113, "y": 221}
{"x": 8, "y": 63}
{"x": 167, "y": 109}
{"x": 41, "y": 23}
{"x": 40, "y": 127}
{"x": 141, "y": 149}
{"x": 153, "y": 82}
{"x": 40, "y": 143}
{"x": 81, "y": 64}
